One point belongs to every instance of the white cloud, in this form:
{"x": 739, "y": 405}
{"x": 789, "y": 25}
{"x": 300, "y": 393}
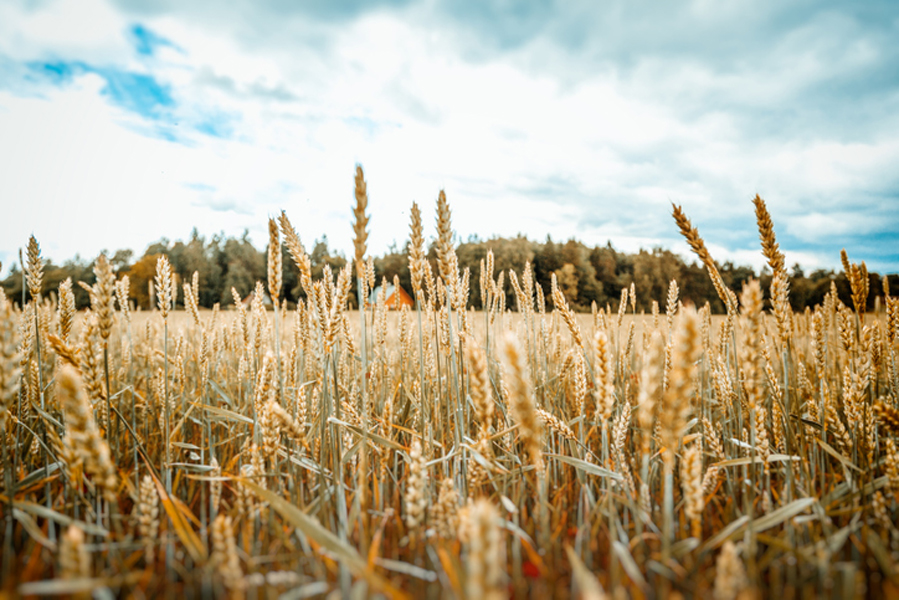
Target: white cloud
{"x": 534, "y": 136}
{"x": 82, "y": 30}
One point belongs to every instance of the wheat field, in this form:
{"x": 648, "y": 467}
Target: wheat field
{"x": 438, "y": 452}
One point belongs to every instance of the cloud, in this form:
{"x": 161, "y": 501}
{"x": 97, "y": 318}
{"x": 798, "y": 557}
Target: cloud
{"x": 269, "y": 11}
{"x": 258, "y": 90}
{"x": 576, "y": 119}
{"x": 200, "y": 187}
{"x": 225, "y": 205}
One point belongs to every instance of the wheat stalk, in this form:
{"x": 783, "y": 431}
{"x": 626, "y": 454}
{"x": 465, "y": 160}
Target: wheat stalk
{"x": 485, "y": 552}
{"x": 691, "y": 234}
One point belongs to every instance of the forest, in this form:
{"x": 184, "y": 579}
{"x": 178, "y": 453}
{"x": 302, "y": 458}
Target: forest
{"x": 585, "y": 274}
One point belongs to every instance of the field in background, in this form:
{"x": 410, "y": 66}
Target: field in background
{"x": 444, "y": 453}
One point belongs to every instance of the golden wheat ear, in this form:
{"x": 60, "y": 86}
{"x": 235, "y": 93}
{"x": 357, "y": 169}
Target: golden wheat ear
{"x": 696, "y": 243}
{"x": 360, "y": 222}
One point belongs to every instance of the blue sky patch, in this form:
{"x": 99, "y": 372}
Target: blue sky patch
{"x": 218, "y": 125}
{"x": 160, "y": 130}
{"x": 57, "y": 72}
{"x": 141, "y": 94}
{"x": 367, "y": 125}
{"x": 146, "y": 42}
{"x": 199, "y": 187}
{"x": 135, "y": 92}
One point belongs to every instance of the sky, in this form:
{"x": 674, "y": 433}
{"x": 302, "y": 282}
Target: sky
{"x": 125, "y": 121}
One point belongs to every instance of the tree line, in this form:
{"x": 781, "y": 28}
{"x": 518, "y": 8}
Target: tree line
{"x": 585, "y": 274}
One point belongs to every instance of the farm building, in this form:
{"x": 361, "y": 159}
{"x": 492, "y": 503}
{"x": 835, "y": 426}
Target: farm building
{"x": 396, "y": 297}
{"x": 248, "y": 301}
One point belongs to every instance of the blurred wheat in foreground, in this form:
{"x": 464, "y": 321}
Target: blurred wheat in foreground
{"x": 442, "y": 453}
